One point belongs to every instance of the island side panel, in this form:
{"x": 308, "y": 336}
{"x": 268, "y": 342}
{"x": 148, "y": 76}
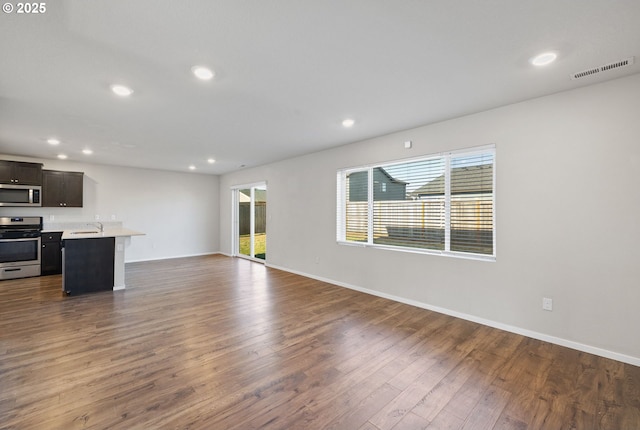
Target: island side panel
{"x": 88, "y": 265}
{"x": 118, "y": 264}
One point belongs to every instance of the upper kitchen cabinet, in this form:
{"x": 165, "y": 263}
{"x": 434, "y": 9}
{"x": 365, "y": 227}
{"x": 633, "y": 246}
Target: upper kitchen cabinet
{"x": 62, "y": 189}
{"x": 20, "y": 173}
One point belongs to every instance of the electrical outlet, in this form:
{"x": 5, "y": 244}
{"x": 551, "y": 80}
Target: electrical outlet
{"x": 113, "y": 217}
{"x": 97, "y": 217}
{"x": 547, "y": 304}
{"x": 52, "y": 217}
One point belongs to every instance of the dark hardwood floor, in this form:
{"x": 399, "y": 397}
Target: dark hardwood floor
{"x": 221, "y": 343}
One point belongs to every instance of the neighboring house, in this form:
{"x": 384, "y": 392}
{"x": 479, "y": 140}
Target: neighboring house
{"x": 464, "y": 181}
{"x": 471, "y": 208}
{"x": 385, "y": 186}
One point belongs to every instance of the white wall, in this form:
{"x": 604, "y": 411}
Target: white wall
{"x": 178, "y": 212}
{"x": 567, "y": 220}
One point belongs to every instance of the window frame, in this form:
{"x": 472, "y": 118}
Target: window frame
{"x": 341, "y": 205}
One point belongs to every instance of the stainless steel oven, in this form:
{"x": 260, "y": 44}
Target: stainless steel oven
{"x": 20, "y": 247}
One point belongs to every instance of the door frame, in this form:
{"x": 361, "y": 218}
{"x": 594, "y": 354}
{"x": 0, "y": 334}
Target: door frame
{"x": 235, "y": 219}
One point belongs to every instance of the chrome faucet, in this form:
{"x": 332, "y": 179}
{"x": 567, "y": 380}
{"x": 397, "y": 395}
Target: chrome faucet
{"x": 99, "y": 224}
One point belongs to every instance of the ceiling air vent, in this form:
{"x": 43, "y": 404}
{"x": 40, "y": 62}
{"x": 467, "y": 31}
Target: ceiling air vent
{"x": 594, "y": 71}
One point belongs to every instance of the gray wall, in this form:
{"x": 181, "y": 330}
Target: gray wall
{"x": 178, "y": 212}
{"x": 567, "y": 220}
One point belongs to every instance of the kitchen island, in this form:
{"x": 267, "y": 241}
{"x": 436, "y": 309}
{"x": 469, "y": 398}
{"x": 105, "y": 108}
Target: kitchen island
{"x": 93, "y": 260}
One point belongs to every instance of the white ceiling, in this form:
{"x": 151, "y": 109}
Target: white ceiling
{"x": 287, "y": 72}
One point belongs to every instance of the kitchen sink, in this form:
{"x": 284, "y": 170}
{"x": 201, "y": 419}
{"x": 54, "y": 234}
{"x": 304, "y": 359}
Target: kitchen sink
{"x": 84, "y": 232}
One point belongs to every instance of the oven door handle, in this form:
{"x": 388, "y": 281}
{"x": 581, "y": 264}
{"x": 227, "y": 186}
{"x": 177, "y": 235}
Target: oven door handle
{"x": 20, "y": 240}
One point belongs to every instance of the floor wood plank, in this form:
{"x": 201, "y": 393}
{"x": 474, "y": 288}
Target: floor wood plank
{"x": 216, "y": 342}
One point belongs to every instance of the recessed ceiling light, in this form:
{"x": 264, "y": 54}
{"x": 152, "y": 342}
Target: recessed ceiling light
{"x": 211, "y": 161}
{"x": 192, "y": 167}
{"x": 62, "y": 156}
{"x": 202, "y": 72}
{"x": 87, "y": 151}
{"x": 53, "y": 141}
{"x": 544, "y": 59}
{"x": 348, "y": 123}
{"x": 121, "y": 90}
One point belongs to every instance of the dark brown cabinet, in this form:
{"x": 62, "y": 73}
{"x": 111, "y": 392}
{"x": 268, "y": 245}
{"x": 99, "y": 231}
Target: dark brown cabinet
{"x": 88, "y": 265}
{"x": 20, "y": 173}
{"x": 62, "y": 189}
{"x": 51, "y": 255}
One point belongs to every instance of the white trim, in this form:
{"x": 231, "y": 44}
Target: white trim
{"x": 370, "y": 193}
{"x": 234, "y": 221}
{"x": 424, "y": 251}
{"x": 447, "y": 203}
{"x": 235, "y": 214}
{"x": 495, "y": 210}
{"x": 635, "y": 361}
{"x": 252, "y": 222}
{"x": 341, "y": 203}
{"x": 254, "y": 259}
{"x": 341, "y": 228}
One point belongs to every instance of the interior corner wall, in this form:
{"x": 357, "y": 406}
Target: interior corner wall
{"x": 177, "y": 212}
{"x": 567, "y": 207}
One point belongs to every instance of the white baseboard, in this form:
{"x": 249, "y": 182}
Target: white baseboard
{"x": 506, "y": 327}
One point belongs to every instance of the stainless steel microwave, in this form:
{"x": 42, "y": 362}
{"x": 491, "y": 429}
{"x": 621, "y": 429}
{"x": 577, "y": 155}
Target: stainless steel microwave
{"x": 20, "y": 195}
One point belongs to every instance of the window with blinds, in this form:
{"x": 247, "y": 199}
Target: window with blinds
{"x": 436, "y": 204}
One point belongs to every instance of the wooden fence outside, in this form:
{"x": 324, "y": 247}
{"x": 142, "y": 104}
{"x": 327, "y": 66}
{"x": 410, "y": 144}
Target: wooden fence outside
{"x": 393, "y": 218}
{"x": 244, "y": 217}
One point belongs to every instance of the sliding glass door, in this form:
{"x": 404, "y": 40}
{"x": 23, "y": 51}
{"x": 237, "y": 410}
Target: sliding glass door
{"x": 250, "y": 236}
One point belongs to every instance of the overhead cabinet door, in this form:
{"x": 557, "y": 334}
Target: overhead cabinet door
{"x": 19, "y": 173}
{"x": 62, "y": 189}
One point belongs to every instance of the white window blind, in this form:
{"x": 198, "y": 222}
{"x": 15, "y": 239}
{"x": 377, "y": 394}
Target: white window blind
{"x": 438, "y": 204}
{"x": 357, "y": 208}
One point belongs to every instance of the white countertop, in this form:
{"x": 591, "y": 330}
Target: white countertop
{"x": 84, "y": 233}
